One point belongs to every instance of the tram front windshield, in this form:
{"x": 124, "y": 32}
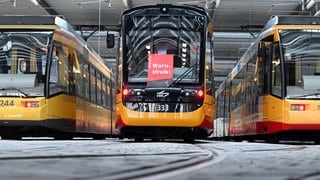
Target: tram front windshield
{"x": 163, "y": 50}
{"x": 301, "y": 49}
{"x": 23, "y": 59}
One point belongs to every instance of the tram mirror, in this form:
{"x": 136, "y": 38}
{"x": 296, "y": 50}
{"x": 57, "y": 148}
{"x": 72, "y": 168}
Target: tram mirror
{"x": 110, "y": 40}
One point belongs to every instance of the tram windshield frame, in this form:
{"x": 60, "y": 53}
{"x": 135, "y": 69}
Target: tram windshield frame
{"x": 23, "y": 62}
{"x": 164, "y": 50}
{"x": 301, "y": 52}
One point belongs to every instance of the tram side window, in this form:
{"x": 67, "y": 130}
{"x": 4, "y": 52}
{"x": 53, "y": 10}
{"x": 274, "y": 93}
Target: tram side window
{"x": 254, "y": 90}
{"x": 109, "y": 95}
{"x": 233, "y": 100}
{"x": 72, "y": 69}
{"x": 112, "y": 92}
{"x": 93, "y": 87}
{"x": 99, "y": 89}
{"x": 104, "y": 92}
{"x": 276, "y": 71}
{"x": 259, "y": 63}
{"x": 267, "y": 60}
{"x": 236, "y": 93}
{"x": 86, "y": 79}
{"x": 64, "y": 65}
{"x": 79, "y": 77}
{"x": 209, "y": 69}
{"x": 59, "y": 76}
{"x": 243, "y": 78}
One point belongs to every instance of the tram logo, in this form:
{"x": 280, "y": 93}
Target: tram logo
{"x": 162, "y": 94}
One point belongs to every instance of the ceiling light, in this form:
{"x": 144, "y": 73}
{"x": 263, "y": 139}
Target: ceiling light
{"x": 310, "y": 3}
{"x": 35, "y": 2}
{"x": 125, "y": 3}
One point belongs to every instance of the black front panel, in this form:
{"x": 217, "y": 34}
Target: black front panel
{"x": 163, "y": 100}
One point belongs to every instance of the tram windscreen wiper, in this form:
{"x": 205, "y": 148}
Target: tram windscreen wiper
{"x": 184, "y": 74}
{"x": 13, "y": 94}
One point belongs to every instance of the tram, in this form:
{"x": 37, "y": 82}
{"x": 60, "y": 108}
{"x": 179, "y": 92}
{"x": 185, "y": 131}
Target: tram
{"x": 273, "y": 92}
{"x": 166, "y": 87}
{"x": 52, "y": 83}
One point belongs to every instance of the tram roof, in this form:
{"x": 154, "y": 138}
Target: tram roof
{"x": 37, "y": 20}
{"x": 40, "y": 20}
{"x": 165, "y": 8}
{"x": 291, "y": 20}
{"x": 30, "y": 20}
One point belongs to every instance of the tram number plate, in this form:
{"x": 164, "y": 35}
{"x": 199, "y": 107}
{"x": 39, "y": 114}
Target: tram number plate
{"x": 149, "y": 107}
{"x": 160, "y": 108}
{"x": 6, "y": 103}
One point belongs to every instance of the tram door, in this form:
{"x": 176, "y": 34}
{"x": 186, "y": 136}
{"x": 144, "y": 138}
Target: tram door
{"x": 272, "y": 104}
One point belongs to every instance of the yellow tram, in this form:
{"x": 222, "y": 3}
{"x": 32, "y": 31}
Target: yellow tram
{"x": 51, "y": 82}
{"x": 273, "y": 92}
{"x": 166, "y": 87}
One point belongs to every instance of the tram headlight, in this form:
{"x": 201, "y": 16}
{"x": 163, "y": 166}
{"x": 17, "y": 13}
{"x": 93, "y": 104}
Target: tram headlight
{"x": 200, "y": 93}
{"x": 31, "y": 104}
{"x": 164, "y": 9}
{"x": 298, "y": 107}
{"x": 132, "y": 94}
{"x": 125, "y": 92}
{"x": 193, "y": 93}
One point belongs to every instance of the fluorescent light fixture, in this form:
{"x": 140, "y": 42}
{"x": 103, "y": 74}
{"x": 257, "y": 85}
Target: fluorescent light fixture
{"x": 35, "y": 2}
{"x": 125, "y": 3}
{"x": 217, "y": 3}
{"x": 310, "y": 3}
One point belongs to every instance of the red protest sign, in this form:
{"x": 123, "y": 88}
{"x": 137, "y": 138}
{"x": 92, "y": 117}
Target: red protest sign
{"x": 160, "y": 67}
